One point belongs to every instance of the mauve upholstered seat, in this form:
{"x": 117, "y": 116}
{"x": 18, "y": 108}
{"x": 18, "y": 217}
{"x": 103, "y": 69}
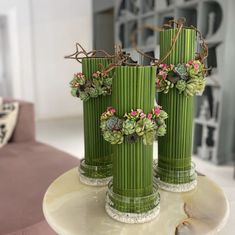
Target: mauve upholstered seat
{"x": 26, "y": 170}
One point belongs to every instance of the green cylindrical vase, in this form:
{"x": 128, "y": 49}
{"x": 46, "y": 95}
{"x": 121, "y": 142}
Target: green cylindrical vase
{"x": 96, "y": 167}
{"x": 175, "y": 170}
{"x": 132, "y": 196}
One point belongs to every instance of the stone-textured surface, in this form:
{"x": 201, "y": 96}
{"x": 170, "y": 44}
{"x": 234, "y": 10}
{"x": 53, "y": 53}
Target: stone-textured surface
{"x": 73, "y": 208}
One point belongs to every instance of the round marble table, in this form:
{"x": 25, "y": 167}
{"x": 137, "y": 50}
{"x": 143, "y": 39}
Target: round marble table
{"x": 72, "y": 208}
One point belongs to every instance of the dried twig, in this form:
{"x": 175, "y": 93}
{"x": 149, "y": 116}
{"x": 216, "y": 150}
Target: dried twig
{"x": 81, "y": 53}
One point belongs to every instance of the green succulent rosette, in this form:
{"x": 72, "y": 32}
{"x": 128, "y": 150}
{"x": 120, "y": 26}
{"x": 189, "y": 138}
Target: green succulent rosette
{"x": 188, "y": 78}
{"x": 133, "y": 126}
{"x": 85, "y": 88}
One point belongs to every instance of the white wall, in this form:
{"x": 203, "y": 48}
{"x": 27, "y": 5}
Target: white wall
{"x": 41, "y": 33}
{"x": 20, "y": 68}
{"x": 57, "y": 25}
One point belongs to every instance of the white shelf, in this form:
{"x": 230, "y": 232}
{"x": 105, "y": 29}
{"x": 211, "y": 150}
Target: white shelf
{"x": 210, "y": 123}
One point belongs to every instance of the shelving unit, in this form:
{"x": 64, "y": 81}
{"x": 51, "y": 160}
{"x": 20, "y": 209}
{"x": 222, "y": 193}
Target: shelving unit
{"x": 209, "y": 17}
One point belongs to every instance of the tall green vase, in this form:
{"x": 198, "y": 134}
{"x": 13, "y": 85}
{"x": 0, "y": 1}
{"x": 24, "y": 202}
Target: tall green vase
{"x": 175, "y": 169}
{"x": 132, "y": 197}
{"x": 96, "y": 167}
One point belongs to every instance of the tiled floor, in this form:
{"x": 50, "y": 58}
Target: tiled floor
{"x": 67, "y": 135}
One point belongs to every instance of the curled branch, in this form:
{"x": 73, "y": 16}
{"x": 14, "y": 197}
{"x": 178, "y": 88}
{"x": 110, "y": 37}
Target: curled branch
{"x": 203, "y": 55}
{"x": 81, "y": 53}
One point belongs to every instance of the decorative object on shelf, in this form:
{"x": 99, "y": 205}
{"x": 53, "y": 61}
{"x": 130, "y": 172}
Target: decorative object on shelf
{"x": 93, "y": 86}
{"x": 148, "y": 5}
{"x": 161, "y": 4}
{"x": 133, "y": 126}
{"x": 179, "y": 79}
{"x": 206, "y": 151}
{"x": 134, "y": 6}
{"x": 205, "y": 110}
{"x": 211, "y": 24}
{"x": 132, "y": 195}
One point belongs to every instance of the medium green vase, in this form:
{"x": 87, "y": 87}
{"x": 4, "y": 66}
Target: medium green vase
{"x": 96, "y": 167}
{"x": 132, "y": 189}
{"x": 175, "y": 148}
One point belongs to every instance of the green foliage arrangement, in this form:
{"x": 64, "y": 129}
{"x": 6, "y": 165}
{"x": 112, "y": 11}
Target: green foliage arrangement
{"x": 133, "y": 125}
{"x": 84, "y": 88}
{"x": 188, "y": 78}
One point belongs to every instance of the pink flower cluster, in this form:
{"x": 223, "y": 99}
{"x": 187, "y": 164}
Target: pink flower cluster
{"x": 195, "y": 64}
{"x": 139, "y": 114}
{"x": 108, "y": 113}
{"x": 99, "y": 74}
{"x": 79, "y": 75}
{"x": 163, "y": 72}
{"x": 96, "y": 74}
{"x": 111, "y": 109}
{"x": 155, "y": 113}
{"x": 136, "y": 114}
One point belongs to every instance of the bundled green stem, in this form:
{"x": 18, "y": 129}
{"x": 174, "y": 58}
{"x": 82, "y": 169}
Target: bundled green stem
{"x": 97, "y": 151}
{"x": 175, "y": 148}
{"x": 133, "y": 88}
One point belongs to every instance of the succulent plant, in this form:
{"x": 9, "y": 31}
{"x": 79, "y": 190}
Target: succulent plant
{"x": 108, "y": 81}
{"x": 74, "y": 92}
{"x": 149, "y": 137}
{"x": 116, "y": 130}
{"x": 81, "y": 80}
{"x": 97, "y": 83}
{"x": 129, "y": 127}
{"x": 82, "y": 87}
{"x": 83, "y": 96}
{"x": 161, "y": 130}
{"x": 114, "y": 123}
{"x": 173, "y": 78}
{"x": 165, "y": 86}
{"x": 181, "y": 86}
{"x": 192, "y": 72}
{"x": 74, "y": 83}
{"x": 139, "y": 129}
{"x": 144, "y": 125}
{"x": 148, "y": 124}
{"x": 103, "y": 125}
{"x": 132, "y": 138}
{"x": 114, "y": 137}
{"x": 190, "y": 88}
{"x": 93, "y": 92}
{"x": 88, "y": 83}
{"x": 163, "y": 115}
{"x": 187, "y": 78}
{"x": 201, "y": 83}
{"x": 100, "y": 90}
{"x": 159, "y": 121}
{"x": 181, "y": 70}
